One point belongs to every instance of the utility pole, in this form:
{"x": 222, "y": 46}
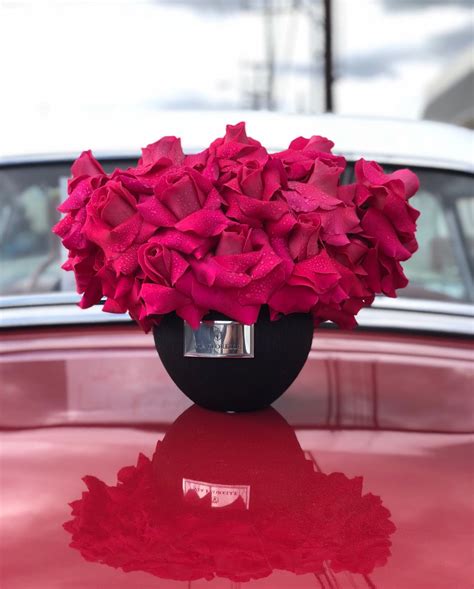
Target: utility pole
{"x": 262, "y": 74}
{"x": 328, "y": 58}
{"x": 270, "y": 54}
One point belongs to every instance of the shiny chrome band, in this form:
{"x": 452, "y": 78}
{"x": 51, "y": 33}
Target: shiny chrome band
{"x": 219, "y": 339}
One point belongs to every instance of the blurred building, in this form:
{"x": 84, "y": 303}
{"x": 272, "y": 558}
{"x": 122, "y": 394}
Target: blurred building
{"x": 451, "y": 94}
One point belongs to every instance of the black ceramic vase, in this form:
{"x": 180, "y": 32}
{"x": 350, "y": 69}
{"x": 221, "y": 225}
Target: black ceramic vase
{"x": 227, "y": 366}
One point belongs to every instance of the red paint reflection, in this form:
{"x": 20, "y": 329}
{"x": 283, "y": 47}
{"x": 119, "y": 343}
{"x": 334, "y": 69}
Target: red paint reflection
{"x": 230, "y": 496}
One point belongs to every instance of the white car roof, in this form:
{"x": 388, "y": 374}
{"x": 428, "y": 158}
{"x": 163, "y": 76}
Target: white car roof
{"x": 402, "y": 142}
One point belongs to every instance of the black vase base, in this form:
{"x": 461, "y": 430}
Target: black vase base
{"x": 238, "y": 384}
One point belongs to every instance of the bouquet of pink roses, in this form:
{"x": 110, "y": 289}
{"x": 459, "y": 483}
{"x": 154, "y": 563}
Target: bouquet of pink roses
{"x": 233, "y": 228}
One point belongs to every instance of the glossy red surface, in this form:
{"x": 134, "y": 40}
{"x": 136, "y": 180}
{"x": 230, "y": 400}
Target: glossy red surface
{"x": 394, "y": 410}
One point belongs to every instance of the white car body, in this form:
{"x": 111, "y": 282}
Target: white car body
{"x": 421, "y": 143}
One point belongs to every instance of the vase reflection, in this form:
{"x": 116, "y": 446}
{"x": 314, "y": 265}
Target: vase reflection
{"x": 231, "y": 496}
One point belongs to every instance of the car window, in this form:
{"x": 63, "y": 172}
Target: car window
{"x": 29, "y": 252}
{"x": 465, "y": 211}
{"x": 30, "y": 255}
{"x": 438, "y": 270}
{"x": 433, "y": 271}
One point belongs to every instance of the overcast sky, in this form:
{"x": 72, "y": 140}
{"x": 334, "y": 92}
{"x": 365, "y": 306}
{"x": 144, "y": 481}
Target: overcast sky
{"x": 64, "y": 58}
{"x": 391, "y": 50}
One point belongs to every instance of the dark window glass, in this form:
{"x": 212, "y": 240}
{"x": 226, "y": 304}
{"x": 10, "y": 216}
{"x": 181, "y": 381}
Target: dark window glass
{"x": 465, "y": 211}
{"x": 30, "y": 255}
{"x": 438, "y": 270}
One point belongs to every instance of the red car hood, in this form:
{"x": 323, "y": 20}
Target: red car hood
{"x": 374, "y": 423}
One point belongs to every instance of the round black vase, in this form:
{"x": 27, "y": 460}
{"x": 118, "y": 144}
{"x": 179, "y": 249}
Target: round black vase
{"x": 238, "y": 384}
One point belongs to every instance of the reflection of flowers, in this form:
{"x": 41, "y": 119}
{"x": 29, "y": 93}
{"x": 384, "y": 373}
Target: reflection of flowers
{"x": 282, "y": 514}
{"x": 234, "y": 228}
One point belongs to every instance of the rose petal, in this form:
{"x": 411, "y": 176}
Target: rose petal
{"x": 179, "y": 196}
{"x": 205, "y": 223}
{"x": 315, "y": 143}
{"x": 79, "y": 193}
{"x": 166, "y": 147}
{"x": 326, "y": 176}
{"x": 259, "y": 291}
{"x": 293, "y": 299}
{"x": 182, "y": 242}
{"x": 192, "y": 314}
{"x": 371, "y": 173}
{"x": 230, "y": 242}
{"x": 220, "y": 300}
{"x": 245, "y": 209}
{"x": 160, "y": 299}
{"x": 401, "y": 214}
{"x": 86, "y": 165}
{"x": 153, "y": 211}
{"x": 409, "y": 179}
{"x": 305, "y": 198}
{"x": 377, "y": 226}
{"x": 281, "y": 227}
{"x": 92, "y": 294}
{"x": 197, "y": 160}
{"x": 239, "y": 263}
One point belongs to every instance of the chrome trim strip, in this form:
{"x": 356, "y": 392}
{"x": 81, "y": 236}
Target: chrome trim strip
{"x": 56, "y": 315}
{"x": 40, "y": 299}
{"x": 63, "y": 158}
{"x": 377, "y": 317}
{"x": 424, "y": 306}
{"x": 395, "y": 319}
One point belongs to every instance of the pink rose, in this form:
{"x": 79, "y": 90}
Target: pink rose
{"x": 187, "y": 201}
{"x": 237, "y": 280}
{"x": 338, "y": 224}
{"x": 84, "y": 257}
{"x": 310, "y": 279}
{"x": 320, "y": 190}
{"x": 391, "y": 220}
{"x": 185, "y": 243}
{"x": 299, "y": 159}
{"x": 245, "y": 175}
{"x": 159, "y": 264}
{"x": 253, "y": 193}
{"x": 235, "y": 149}
{"x": 123, "y": 294}
{"x": 88, "y": 281}
{"x": 388, "y": 222}
{"x": 384, "y": 274}
{"x": 303, "y": 240}
{"x": 164, "y": 152}
{"x": 157, "y": 158}
{"x": 371, "y": 174}
{"x": 163, "y": 268}
{"x": 87, "y": 176}
{"x": 114, "y": 224}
